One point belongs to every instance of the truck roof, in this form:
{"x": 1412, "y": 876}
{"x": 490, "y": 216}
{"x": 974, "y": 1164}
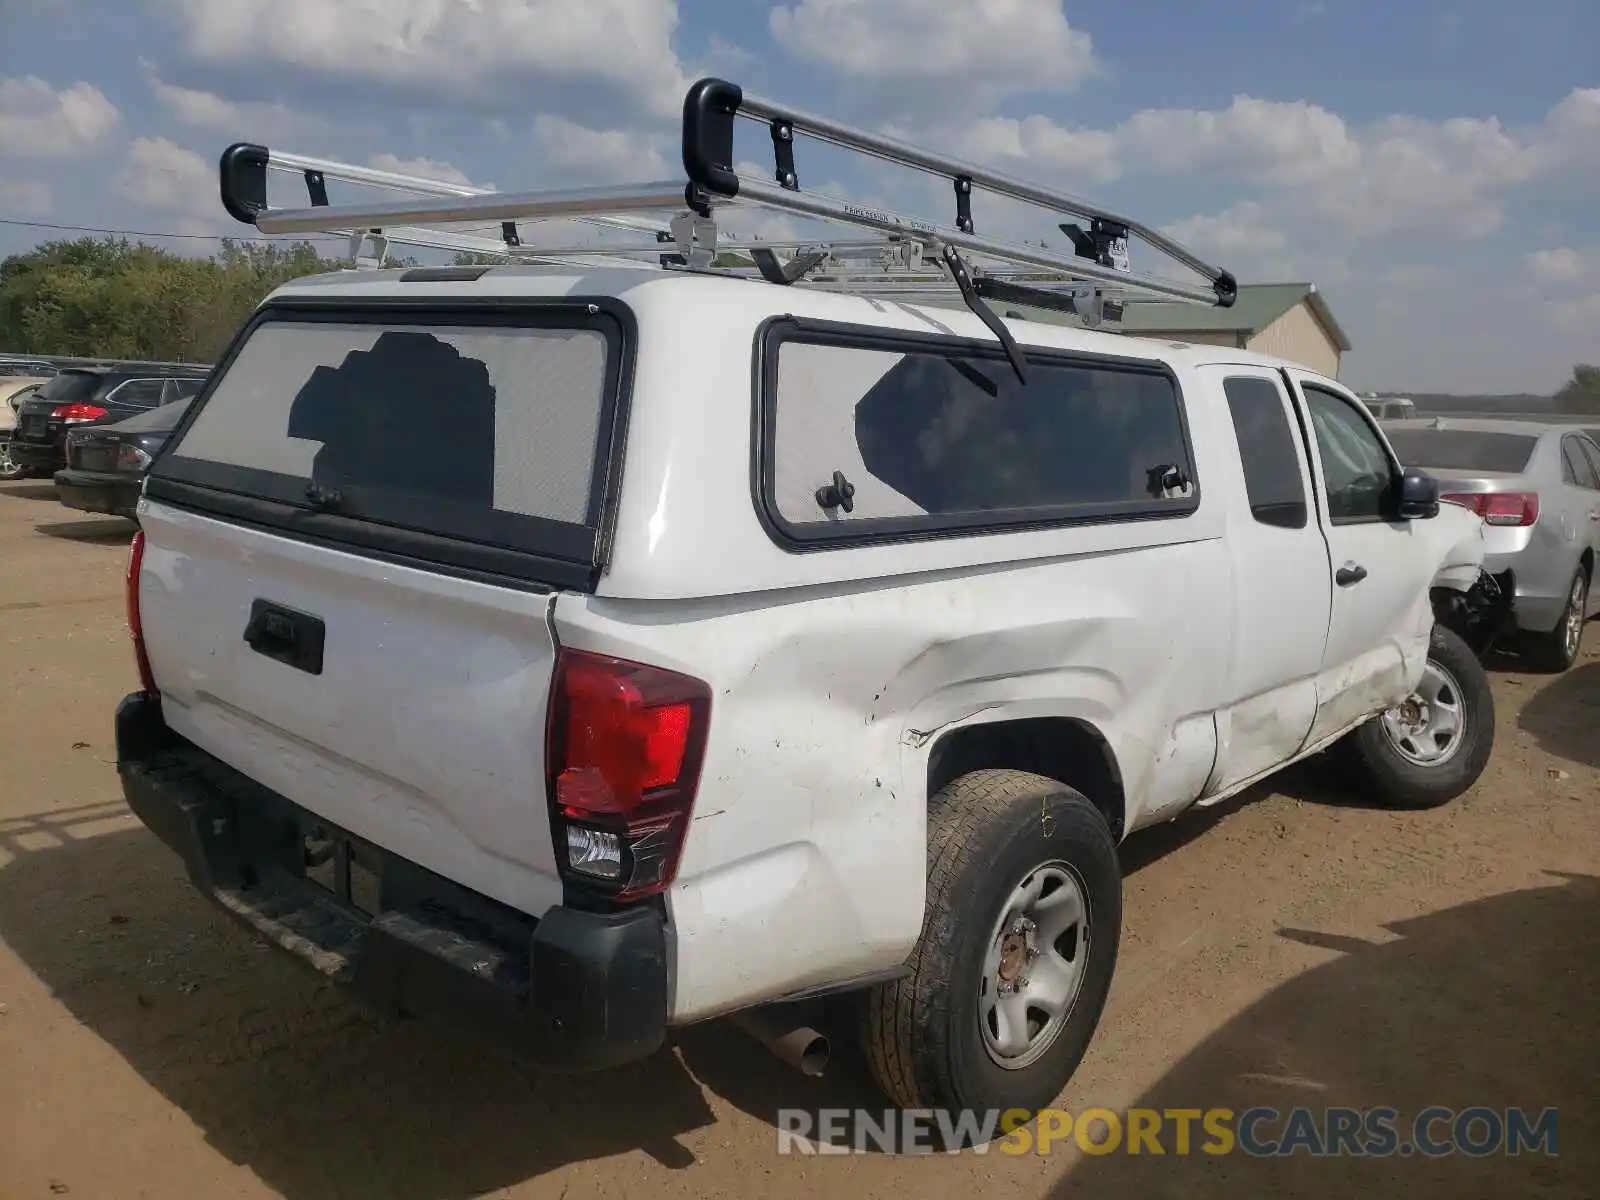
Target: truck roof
{"x": 737, "y": 298}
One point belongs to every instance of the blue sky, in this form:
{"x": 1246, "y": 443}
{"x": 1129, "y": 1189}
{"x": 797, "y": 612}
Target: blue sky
{"x": 1433, "y": 166}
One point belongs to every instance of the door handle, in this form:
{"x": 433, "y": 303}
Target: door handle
{"x": 1350, "y": 573}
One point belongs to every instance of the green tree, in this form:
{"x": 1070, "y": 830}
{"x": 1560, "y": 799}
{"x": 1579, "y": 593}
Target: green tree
{"x": 1581, "y": 393}
{"x": 112, "y": 298}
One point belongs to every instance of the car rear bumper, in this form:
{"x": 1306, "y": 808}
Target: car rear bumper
{"x": 572, "y": 990}
{"x": 37, "y": 456}
{"x": 96, "y": 491}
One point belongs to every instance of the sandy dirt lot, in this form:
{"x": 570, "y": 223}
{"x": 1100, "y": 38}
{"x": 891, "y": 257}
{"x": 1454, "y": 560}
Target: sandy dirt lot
{"x": 1298, "y": 947}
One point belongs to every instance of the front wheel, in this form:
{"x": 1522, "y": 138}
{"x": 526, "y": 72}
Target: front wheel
{"x": 1019, "y": 941}
{"x": 1430, "y": 748}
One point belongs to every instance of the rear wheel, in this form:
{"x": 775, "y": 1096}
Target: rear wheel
{"x": 1009, "y": 977}
{"x": 1432, "y": 747}
{"x": 1558, "y": 649}
{"x": 8, "y": 468}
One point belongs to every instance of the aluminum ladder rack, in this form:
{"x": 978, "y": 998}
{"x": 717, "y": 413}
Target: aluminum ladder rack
{"x": 674, "y": 223}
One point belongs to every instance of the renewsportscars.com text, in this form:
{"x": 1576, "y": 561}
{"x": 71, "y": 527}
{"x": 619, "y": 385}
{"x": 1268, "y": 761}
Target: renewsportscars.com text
{"x": 1259, "y": 1132}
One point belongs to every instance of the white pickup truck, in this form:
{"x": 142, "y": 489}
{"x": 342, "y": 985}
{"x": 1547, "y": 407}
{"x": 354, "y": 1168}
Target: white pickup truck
{"x": 574, "y": 655}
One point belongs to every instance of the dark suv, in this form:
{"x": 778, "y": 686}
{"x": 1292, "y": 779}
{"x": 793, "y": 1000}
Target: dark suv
{"x": 82, "y": 396}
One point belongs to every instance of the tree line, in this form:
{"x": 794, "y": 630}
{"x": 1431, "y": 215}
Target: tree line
{"x": 112, "y": 298}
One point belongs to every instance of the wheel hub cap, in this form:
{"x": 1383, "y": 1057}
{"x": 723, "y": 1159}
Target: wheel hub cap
{"x": 1034, "y": 968}
{"x": 1427, "y": 727}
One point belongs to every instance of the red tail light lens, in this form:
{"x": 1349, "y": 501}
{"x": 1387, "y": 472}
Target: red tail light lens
{"x": 1500, "y": 508}
{"x": 76, "y": 414}
{"x": 147, "y": 680}
{"x": 623, "y": 750}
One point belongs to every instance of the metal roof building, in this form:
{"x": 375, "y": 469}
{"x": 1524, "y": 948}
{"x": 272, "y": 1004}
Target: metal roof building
{"x": 1290, "y": 320}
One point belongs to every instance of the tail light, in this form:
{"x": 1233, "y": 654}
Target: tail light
{"x": 77, "y": 414}
{"x": 131, "y": 458}
{"x": 623, "y": 750}
{"x": 147, "y": 680}
{"x": 1500, "y": 508}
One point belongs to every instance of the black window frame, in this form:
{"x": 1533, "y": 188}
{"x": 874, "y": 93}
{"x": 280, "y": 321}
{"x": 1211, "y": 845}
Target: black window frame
{"x": 1387, "y": 511}
{"x": 530, "y": 552}
{"x": 869, "y": 531}
{"x": 1291, "y": 424}
{"x": 1584, "y": 453}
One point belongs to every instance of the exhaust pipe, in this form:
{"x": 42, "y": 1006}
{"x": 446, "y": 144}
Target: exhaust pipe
{"x": 801, "y": 1046}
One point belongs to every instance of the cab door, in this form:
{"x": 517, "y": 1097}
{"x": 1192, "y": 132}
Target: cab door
{"x": 1280, "y": 616}
{"x": 1380, "y": 612}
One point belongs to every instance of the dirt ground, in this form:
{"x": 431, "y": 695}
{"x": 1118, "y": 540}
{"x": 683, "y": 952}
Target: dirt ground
{"x": 1297, "y": 947}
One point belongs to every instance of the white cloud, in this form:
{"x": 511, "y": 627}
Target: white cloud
{"x": 595, "y": 156}
{"x": 1260, "y": 140}
{"x": 985, "y": 48}
{"x": 1307, "y": 167}
{"x": 1242, "y": 229}
{"x": 427, "y": 168}
{"x": 24, "y": 198}
{"x": 161, "y": 174}
{"x": 1036, "y": 145}
{"x": 35, "y": 119}
{"x": 480, "y": 51}
{"x": 242, "y": 120}
{"x": 1562, "y": 265}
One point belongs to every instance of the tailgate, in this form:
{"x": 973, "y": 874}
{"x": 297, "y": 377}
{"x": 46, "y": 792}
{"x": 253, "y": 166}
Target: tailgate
{"x": 352, "y": 542}
{"x": 420, "y": 729}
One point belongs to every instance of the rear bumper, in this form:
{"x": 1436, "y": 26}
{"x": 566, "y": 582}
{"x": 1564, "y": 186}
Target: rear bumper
{"x": 573, "y": 990}
{"x": 95, "y": 491}
{"x": 37, "y": 456}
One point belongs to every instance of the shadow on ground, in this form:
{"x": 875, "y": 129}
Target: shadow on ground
{"x": 1565, "y": 715}
{"x": 29, "y": 490}
{"x": 1491, "y": 1003}
{"x": 285, "y": 1076}
{"x": 98, "y": 531}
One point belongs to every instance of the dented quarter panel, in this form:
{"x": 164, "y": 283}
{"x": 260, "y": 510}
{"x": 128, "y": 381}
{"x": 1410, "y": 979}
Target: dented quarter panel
{"x": 805, "y": 860}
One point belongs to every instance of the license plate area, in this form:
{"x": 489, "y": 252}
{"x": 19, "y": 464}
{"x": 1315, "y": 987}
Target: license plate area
{"x": 347, "y": 868}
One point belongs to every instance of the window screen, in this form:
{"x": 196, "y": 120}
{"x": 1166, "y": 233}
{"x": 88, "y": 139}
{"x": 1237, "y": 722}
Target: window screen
{"x": 933, "y": 438}
{"x": 502, "y": 418}
{"x": 1272, "y": 477}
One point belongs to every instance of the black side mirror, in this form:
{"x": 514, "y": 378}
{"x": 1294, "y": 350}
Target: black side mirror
{"x": 1419, "y": 495}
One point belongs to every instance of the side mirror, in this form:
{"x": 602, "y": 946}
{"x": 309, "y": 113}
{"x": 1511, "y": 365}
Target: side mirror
{"x": 1419, "y": 495}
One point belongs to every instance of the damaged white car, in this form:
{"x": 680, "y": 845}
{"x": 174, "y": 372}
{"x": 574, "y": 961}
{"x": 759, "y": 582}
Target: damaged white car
{"x": 575, "y": 650}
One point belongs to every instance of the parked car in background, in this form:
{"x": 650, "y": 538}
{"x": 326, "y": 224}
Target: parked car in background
{"x": 81, "y": 396}
{"x": 105, "y": 463}
{"x": 1537, "y": 488}
{"x": 1389, "y": 408}
{"x": 14, "y": 389}
{"x": 28, "y": 368}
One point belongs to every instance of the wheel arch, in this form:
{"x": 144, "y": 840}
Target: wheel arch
{"x": 1070, "y": 750}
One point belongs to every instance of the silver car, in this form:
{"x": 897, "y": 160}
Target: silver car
{"x": 1537, "y": 488}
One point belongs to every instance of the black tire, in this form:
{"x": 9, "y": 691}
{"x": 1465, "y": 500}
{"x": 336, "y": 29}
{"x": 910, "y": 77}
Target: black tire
{"x": 1403, "y": 783}
{"x": 987, "y": 832}
{"x": 1553, "y": 651}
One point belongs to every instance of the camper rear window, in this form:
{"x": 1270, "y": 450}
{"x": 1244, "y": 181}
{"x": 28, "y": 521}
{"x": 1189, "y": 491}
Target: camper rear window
{"x": 483, "y": 428}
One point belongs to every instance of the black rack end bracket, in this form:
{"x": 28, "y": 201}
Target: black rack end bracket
{"x": 242, "y": 172}
{"x": 1227, "y": 289}
{"x": 709, "y": 109}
